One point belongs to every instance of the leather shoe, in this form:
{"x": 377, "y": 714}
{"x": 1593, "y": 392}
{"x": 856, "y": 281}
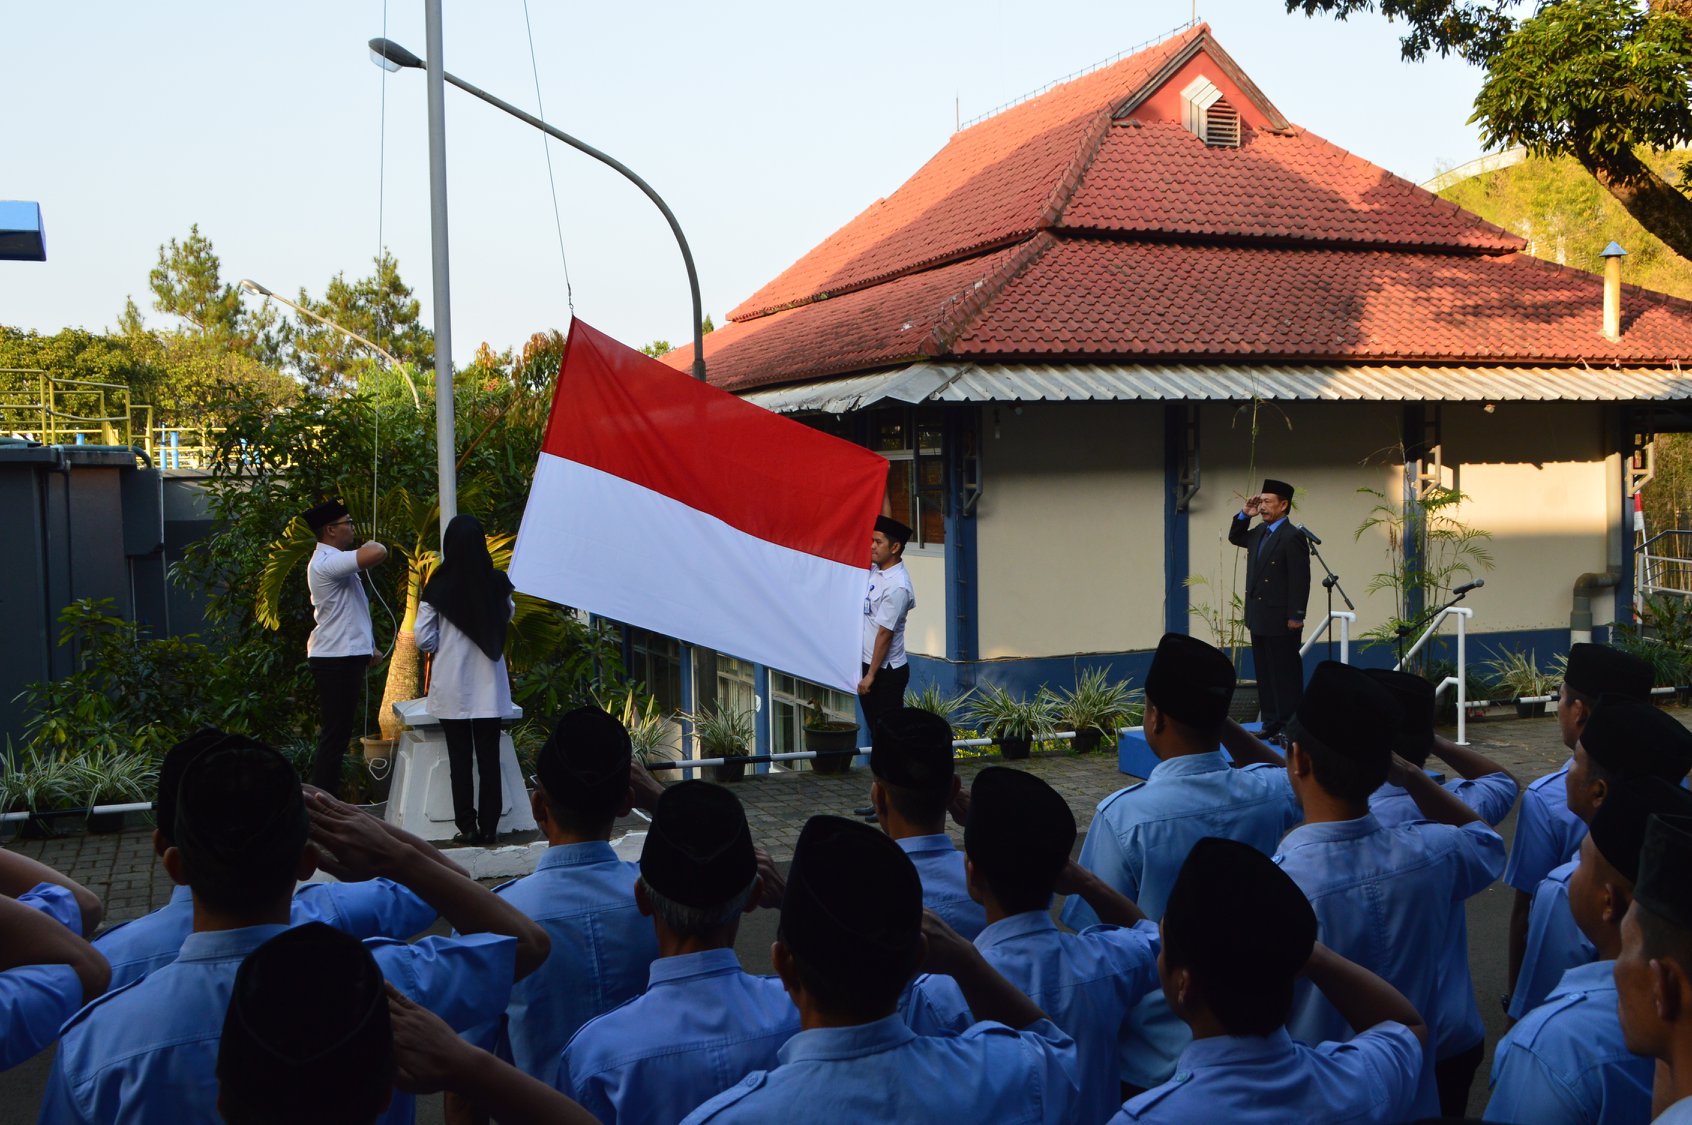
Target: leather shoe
{"x": 867, "y": 810}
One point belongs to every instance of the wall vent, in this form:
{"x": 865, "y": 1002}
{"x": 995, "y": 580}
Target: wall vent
{"x": 1208, "y": 116}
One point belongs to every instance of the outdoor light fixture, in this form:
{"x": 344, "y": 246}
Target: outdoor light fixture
{"x": 390, "y": 56}
{"x": 252, "y": 286}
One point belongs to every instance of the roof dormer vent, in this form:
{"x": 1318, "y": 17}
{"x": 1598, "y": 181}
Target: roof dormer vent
{"x": 1208, "y": 116}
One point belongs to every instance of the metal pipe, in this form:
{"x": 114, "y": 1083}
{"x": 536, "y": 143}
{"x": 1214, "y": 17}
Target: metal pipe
{"x": 1580, "y": 612}
{"x": 249, "y": 283}
{"x": 137, "y": 806}
{"x": 446, "y": 459}
{"x": 860, "y": 752}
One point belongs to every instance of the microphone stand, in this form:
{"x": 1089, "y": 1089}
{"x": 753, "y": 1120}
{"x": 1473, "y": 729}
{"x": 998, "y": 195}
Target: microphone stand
{"x": 1330, "y": 583}
{"x": 1404, "y": 631}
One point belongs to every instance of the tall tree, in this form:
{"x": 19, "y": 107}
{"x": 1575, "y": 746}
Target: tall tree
{"x": 380, "y": 308}
{"x": 187, "y": 283}
{"x": 1603, "y": 81}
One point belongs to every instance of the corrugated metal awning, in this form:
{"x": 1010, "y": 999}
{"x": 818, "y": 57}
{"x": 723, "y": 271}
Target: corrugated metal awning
{"x": 1014, "y": 382}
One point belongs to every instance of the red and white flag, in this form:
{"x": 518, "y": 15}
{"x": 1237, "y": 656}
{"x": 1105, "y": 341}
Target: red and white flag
{"x": 668, "y": 504}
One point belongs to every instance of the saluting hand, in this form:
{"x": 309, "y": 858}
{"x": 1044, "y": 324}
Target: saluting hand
{"x": 356, "y": 845}
{"x": 427, "y": 1053}
{"x": 948, "y": 950}
{"x": 774, "y": 886}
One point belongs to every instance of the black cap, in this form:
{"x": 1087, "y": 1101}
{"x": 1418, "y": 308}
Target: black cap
{"x": 1618, "y": 827}
{"x": 1347, "y": 711}
{"x": 1636, "y": 739}
{"x": 912, "y": 748}
{"x": 324, "y": 514}
{"x": 1664, "y": 886}
{"x": 1595, "y": 670}
{"x": 1190, "y": 681}
{"x": 175, "y": 763}
{"x": 1416, "y": 702}
{"x": 893, "y": 529}
{"x": 1237, "y": 919}
{"x": 698, "y": 851}
{"x": 1020, "y": 829}
{"x": 1279, "y": 488}
{"x": 239, "y": 807}
{"x": 584, "y": 763}
{"x": 307, "y": 1018}
{"x": 853, "y": 899}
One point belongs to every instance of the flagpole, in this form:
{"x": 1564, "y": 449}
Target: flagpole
{"x": 445, "y": 439}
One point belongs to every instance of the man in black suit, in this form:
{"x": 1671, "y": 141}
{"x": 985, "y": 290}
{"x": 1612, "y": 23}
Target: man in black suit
{"x": 1277, "y": 588}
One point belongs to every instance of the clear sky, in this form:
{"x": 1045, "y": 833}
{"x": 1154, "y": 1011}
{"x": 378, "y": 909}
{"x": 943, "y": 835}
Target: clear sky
{"x": 765, "y": 125}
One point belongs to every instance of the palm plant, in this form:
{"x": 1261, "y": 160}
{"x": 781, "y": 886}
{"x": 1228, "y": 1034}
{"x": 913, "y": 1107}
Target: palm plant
{"x": 1097, "y": 707}
{"x": 1013, "y": 719}
{"x": 937, "y": 702}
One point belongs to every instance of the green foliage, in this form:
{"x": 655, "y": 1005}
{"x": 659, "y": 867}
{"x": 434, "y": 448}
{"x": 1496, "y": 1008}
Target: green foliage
{"x": 722, "y": 732}
{"x": 1428, "y": 546}
{"x": 1227, "y": 625}
{"x": 937, "y": 702}
{"x": 1099, "y": 703}
{"x": 1519, "y": 672}
{"x": 647, "y": 726}
{"x": 1662, "y": 637}
{"x": 1001, "y": 715}
{"x": 187, "y": 284}
{"x": 657, "y": 348}
{"x": 380, "y": 308}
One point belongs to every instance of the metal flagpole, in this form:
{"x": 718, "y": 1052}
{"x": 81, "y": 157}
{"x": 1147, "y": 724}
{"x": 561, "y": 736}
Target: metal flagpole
{"x": 445, "y": 441}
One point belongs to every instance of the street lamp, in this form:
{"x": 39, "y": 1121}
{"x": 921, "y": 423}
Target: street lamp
{"x": 390, "y": 56}
{"x": 250, "y": 285}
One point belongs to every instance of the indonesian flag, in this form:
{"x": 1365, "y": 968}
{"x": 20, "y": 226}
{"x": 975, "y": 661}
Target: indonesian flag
{"x": 673, "y": 506}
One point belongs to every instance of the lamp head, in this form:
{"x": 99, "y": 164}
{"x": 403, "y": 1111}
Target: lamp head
{"x": 249, "y": 284}
{"x": 390, "y": 56}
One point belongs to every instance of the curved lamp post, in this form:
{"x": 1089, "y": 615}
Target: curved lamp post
{"x": 393, "y": 57}
{"x": 253, "y": 286}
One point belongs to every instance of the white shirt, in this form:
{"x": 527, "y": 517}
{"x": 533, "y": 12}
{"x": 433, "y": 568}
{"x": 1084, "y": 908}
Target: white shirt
{"x": 464, "y": 683}
{"x": 339, "y": 605}
{"x": 889, "y": 600}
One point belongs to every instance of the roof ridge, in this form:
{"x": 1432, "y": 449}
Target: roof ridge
{"x": 962, "y": 313}
{"x": 1051, "y": 214}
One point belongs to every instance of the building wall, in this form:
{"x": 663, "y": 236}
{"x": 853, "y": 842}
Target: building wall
{"x": 1537, "y": 478}
{"x": 925, "y": 628}
{"x": 1070, "y": 528}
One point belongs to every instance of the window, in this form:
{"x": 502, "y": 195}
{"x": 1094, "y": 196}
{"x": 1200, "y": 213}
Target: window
{"x": 655, "y": 660}
{"x": 736, "y": 689}
{"x": 1208, "y": 116}
{"x": 913, "y": 441}
{"x": 789, "y": 697}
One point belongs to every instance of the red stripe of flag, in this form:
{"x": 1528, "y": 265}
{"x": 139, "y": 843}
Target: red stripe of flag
{"x": 624, "y": 413}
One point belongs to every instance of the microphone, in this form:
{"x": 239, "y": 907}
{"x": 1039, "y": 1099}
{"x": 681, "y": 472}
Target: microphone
{"x": 1311, "y": 535}
{"x": 1475, "y": 585}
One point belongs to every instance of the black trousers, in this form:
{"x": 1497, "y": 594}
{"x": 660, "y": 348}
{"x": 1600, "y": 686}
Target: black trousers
{"x": 886, "y": 694}
{"x": 1454, "y": 1076}
{"x": 340, "y": 679}
{"x": 482, "y": 736}
{"x": 1280, "y": 676}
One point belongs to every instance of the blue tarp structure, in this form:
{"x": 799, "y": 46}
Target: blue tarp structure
{"x": 22, "y": 237}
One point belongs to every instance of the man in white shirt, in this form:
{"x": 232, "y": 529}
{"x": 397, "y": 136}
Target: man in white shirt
{"x": 343, "y": 645}
{"x": 886, "y": 605}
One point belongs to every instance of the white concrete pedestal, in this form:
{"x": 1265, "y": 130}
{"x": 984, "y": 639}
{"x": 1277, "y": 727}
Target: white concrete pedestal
{"x": 420, "y": 794}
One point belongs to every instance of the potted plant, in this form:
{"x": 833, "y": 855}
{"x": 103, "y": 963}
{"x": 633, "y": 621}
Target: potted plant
{"x": 1097, "y": 706}
{"x": 117, "y": 778}
{"x": 1012, "y": 721}
{"x": 41, "y": 784}
{"x": 834, "y": 741}
{"x": 937, "y": 702}
{"x": 1519, "y": 673}
{"x": 649, "y": 730}
{"x": 723, "y": 733}
{"x": 1228, "y": 633}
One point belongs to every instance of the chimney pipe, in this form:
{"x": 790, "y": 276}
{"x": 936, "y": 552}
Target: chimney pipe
{"x": 1612, "y": 256}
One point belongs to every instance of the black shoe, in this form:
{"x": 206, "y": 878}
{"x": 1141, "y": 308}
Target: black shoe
{"x": 487, "y": 839}
{"x": 462, "y": 837}
{"x": 866, "y": 811}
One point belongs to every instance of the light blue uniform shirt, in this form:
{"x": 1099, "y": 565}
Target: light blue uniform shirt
{"x": 374, "y": 908}
{"x": 702, "y": 1025}
{"x": 1455, "y": 1021}
{"x": 1566, "y": 1063}
{"x": 945, "y": 890}
{"x": 1547, "y": 833}
{"x": 1491, "y": 797}
{"x": 1140, "y": 837}
{"x": 1554, "y": 943}
{"x": 57, "y": 902}
{"x": 1387, "y": 899}
{"x": 602, "y": 948}
{"x": 1269, "y": 1079}
{"x": 147, "y": 1053}
{"x": 35, "y": 1000}
{"x": 885, "y": 1072}
{"x": 1087, "y": 983}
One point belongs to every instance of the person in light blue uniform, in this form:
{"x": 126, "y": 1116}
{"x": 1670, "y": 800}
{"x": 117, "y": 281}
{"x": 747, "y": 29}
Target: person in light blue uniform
{"x": 1489, "y": 790}
{"x": 148, "y": 1053}
{"x": 1140, "y": 836}
{"x": 1236, "y": 934}
{"x": 580, "y": 892}
{"x": 1547, "y": 833}
{"x": 1018, "y": 837}
{"x": 702, "y": 1024}
{"x": 47, "y": 970}
{"x": 852, "y": 933}
{"x": 1624, "y": 738}
{"x": 1567, "y": 1061}
{"x": 1653, "y": 969}
{"x": 915, "y": 782}
{"x": 39, "y": 886}
{"x": 376, "y": 908}
{"x": 1415, "y": 877}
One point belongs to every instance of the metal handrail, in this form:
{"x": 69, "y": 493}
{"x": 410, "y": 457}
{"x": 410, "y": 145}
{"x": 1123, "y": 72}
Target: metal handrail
{"x": 1347, "y": 619}
{"x": 1460, "y": 680}
{"x": 1651, "y": 567}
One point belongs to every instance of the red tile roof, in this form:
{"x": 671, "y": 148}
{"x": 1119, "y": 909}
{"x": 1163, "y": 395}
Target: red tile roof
{"x": 1088, "y": 223}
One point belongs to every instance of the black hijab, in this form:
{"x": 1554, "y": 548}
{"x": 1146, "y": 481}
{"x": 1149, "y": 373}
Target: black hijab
{"x": 467, "y": 590}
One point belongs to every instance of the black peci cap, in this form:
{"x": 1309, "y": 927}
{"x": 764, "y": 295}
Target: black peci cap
{"x": 1595, "y": 670}
{"x": 1416, "y": 702}
{"x": 893, "y": 529}
{"x": 698, "y": 851}
{"x": 584, "y": 763}
{"x": 1347, "y": 711}
{"x": 912, "y": 748}
{"x": 1664, "y": 886}
{"x": 1190, "y": 681}
{"x": 1237, "y": 919}
{"x": 1636, "y": 739}
{"x": 1279, "y": 488}
{"x": 324, "y": 514}
{"x": 1618, "y": 827}
{"x": 1020, "y": 829}
{"x": 239, "y": 808}
{"x": 852, "y": 900}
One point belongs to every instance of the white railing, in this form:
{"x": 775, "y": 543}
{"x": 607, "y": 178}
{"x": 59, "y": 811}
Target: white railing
{"x": 1460, "y": 679}
{"x": 1658, "y": 573}
{"x": 1346, "y": 619}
